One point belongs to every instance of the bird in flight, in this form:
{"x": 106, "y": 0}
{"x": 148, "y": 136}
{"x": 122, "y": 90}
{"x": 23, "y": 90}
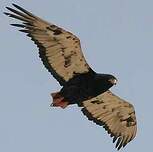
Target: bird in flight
{"x": 60, "y": 52}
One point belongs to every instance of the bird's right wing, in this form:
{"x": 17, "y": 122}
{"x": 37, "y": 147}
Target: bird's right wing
{"x": 115, "y": 114}
{"x": 59, "y": 50}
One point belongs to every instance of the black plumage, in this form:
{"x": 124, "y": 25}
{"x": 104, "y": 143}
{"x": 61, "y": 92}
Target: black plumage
{"x": 87, "y": 85}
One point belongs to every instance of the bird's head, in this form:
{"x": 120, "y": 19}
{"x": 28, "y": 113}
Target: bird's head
{"x": 112, "y": 80}
{"x": 109, "y": 80}
{"x": 106, "y": 80}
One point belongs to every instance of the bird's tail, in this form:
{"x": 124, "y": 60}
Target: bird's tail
{"x": 58, "y": 100}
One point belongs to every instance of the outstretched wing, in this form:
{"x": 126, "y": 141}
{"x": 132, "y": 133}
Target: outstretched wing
{"x": 59, "y": 50}
{"x": 114, "y": 114}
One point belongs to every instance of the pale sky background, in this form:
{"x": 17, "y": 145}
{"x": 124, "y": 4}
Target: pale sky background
{"x": 117, "y": 38}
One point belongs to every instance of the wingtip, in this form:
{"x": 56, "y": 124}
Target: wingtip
{"x": 18, "y": 25}
{"x": 15, "y": 5}
{"x": 24, "y": 31}
{"x": 22, "y": 9}
{"x": 119, "y": 147}
{"x": 10, "y": 9}
{"x": 7, "y": 7}
{"x": 6, "y": 13}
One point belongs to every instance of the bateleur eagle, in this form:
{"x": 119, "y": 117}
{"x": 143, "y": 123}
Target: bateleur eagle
{"x": 60, "y": 52}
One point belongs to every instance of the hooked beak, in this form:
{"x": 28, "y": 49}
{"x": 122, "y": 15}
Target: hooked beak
{"x": 113, "y": 81}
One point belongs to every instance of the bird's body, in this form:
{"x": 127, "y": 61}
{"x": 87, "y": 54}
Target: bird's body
{"x": 85, "y": 86}
{"x": 60, "y": 52}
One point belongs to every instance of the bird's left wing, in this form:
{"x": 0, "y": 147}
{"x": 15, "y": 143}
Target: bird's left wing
{"x": 113, "y": 113}
{"x": 59, "y": 50}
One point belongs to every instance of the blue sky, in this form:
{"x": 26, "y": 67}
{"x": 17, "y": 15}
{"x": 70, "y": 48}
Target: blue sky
{"x": 117, "y": 38}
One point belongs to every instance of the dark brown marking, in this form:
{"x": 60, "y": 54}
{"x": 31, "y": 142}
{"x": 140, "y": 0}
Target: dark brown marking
{"x": 113, "y": 109}
{"x": 104, "y": 107}
{"x": 68, "y": 37}
{"x": 85, "y": 64}
{"x": 130, "y": 122}
{"x": 57, "y": 32}
{"x": 53, "y": 26}
{"x": 63, "y": 49}
{"x": 76, "y": 41}
{"x": 97, "y": 102}
{"x": 73, "y": 53}
{"x": 49, "y": 28}
{"x": 67, "y": 61}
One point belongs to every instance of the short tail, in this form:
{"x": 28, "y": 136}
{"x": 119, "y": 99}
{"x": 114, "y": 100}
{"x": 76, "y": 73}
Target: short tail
{"x": 58, "y": 100}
